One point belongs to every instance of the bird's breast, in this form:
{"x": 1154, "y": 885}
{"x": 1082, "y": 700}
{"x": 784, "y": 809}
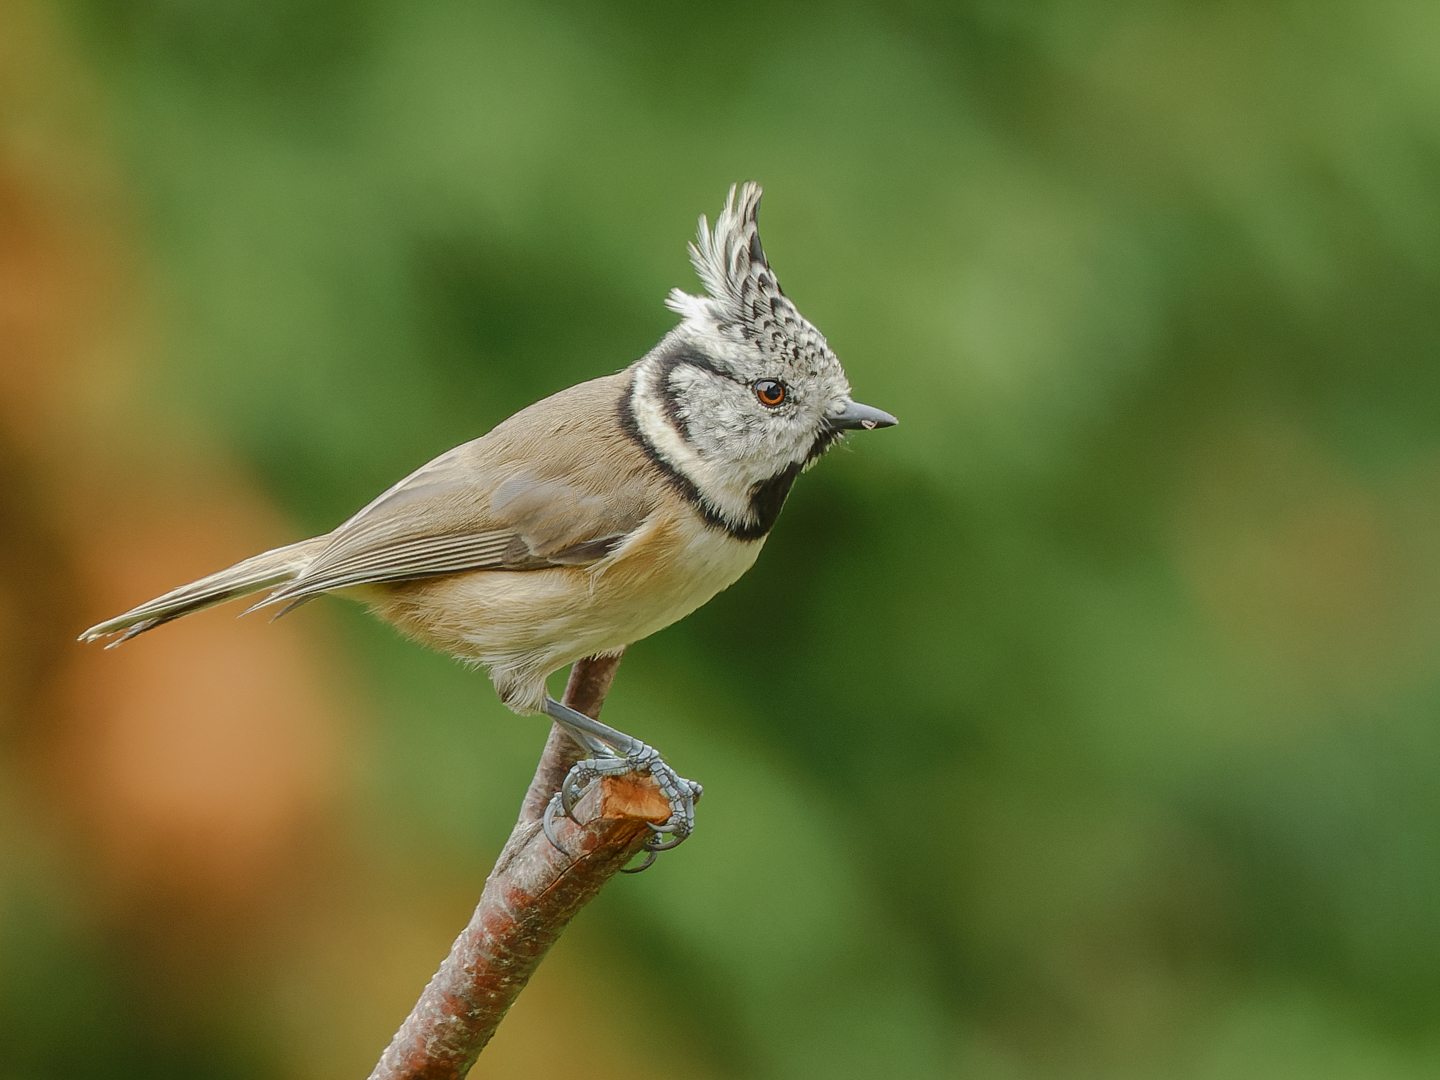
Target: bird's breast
{"x": 668, "y": 568}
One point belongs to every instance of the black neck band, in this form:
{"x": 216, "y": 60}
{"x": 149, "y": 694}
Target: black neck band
{"x": 766, "y": 498}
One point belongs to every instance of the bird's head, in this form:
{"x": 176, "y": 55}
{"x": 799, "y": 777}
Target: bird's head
{"x": 745, "y": 392}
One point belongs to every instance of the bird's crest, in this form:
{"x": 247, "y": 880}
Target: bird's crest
{"x": 744, "y": 298}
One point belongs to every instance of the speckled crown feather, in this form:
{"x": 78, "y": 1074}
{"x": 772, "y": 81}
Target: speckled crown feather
{"x": 745, "y": 302}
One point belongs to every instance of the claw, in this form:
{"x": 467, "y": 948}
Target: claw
{"x": 570, "y": 791}
{"x": 649, "y": 862}
{"x": 548, "y": 822}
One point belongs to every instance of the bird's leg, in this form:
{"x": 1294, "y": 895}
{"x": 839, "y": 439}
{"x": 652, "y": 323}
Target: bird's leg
{"x": 614, "y": 753}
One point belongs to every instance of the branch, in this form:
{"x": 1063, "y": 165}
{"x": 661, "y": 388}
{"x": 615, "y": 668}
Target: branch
{"x": 529, "y": 897}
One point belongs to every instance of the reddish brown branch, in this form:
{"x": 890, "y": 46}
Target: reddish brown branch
{"x": 529, "y": 897}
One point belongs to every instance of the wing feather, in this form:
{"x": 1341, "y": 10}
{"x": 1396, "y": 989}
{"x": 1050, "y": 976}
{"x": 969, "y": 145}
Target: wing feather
{"x": 426, "y": 556}
{"x": 558, "y": 484}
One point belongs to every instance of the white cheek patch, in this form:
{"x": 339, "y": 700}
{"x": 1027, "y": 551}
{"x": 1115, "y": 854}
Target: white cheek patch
{"x": 724, "y": 486}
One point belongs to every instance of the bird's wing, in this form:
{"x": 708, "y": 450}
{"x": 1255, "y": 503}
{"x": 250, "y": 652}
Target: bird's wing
{"x": 495, "y": 504}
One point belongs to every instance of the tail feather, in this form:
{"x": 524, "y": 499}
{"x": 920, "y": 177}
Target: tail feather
{"x": 260, "y": 572}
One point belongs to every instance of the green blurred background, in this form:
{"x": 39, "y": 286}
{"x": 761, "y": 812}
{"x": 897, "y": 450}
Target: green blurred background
{"x": 1085, "y": 725}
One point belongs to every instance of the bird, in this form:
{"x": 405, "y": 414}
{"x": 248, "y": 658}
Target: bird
{"x": 592, "y": 518}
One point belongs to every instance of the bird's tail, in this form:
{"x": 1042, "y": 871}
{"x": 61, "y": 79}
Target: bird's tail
{"x": 261, "y": 572}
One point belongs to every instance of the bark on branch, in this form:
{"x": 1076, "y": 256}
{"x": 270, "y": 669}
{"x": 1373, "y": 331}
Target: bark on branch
{"x": 529, "y": 897}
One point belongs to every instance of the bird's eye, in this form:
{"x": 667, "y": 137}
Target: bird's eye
{"x": 770, "y": 393}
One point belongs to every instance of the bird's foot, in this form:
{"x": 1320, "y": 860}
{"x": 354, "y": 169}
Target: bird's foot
{"x": 682, "y": 794}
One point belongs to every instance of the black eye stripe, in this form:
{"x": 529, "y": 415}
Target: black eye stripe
{"x": 690, "y": 358}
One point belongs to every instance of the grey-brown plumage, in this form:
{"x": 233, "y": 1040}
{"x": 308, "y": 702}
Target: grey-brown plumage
{"x": 596, "y": 516}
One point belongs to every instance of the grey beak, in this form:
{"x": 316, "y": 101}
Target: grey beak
{"x": 862, "y": 416}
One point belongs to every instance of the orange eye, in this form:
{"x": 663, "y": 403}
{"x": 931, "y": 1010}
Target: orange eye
{"x": 770, "y": 393}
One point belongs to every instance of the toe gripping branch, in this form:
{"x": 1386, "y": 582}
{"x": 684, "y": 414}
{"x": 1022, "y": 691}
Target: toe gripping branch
{"x": 613, "y": 753}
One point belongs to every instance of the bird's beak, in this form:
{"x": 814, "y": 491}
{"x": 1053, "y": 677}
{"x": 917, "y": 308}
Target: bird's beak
{"x": 860, "y": 416}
